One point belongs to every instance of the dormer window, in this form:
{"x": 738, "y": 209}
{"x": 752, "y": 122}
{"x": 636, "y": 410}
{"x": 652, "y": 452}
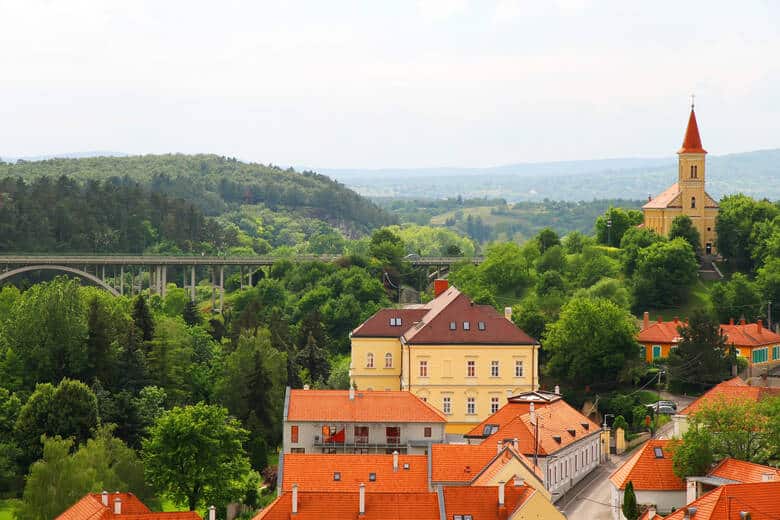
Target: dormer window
{"x": 395, "y": 322}
{"x": 693, "y": 202}
{"x": 372, "y": 477}
{"x": 336, "y": 476}
{"x": 659, "y": 453}
{"x": 453, "y": 325}
{"x": 466, "y": 325}
{"x": 481, "y": 325}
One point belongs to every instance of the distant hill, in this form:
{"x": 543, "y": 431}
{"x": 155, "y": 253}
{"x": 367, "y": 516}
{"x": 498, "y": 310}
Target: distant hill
{"x": 218, "y": 184}
{"x": 753, "y": 173}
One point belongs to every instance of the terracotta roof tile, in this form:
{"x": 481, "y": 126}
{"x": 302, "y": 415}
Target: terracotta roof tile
{"x": 664, "y": 199}
{"x": 647, "y": 471}
{"x": 750, "y": 335}
{"x": 459, "y": 462}
{"x": 727, "y": 502}
{"x": 661, "y": 332}
{"x": 732, "y": 390}
{"x": 91, "y": 508}
{"x": 315, "y": 472}
{"x": 744, "y": 472}
{"x": 692, "y": 140}
{"x": 378, "y": 325}
{"x": 367, "y": 406}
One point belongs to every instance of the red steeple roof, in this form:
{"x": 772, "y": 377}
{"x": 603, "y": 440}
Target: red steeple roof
{"x": 692, "y": 141}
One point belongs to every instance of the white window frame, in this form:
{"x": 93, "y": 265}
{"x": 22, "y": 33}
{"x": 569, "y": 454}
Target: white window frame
{"x": 471, "y": 364}
{"x": 446, "y": 404}
{"x": 388, "y": 360}
{"x": 471, "y": 406}
{"x": 370, "y": 360}
{"x": 519, "y": 368}
{"x": 494, "y": 368}
{"x": 423, "y": 368}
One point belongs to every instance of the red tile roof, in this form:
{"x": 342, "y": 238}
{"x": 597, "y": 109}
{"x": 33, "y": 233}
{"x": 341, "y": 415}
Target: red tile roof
{"x": 480, "y": 502}
{"x": 729, "y": 391}
{"x": 429, "y": 324}
{"x": 378, "y": 325}
{"x": 727, "y": 502}
{"x": 744, "y": 472}
{"x": 661, "y": 332}
{"x": 665, "y": 199}
{"x": 555, "y": 417}
{"x": 460, "y": 462}
{"x": 367, "y": 406}
{"x": 692, "y": 140}
{"x": 750, "y": 335}
{"x": 314, "y": 472}
{"x": 91, "y": 508}
{"x": 648, "y": 472}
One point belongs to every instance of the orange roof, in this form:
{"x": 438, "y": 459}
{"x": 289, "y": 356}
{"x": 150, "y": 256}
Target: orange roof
{"x": 556, "y": 419}
{"x": 646, "y": 515}
{"x": 460, "y": 462}
{"x": 744, "y": 472}
{"x": 91, "y": 508}
{"x": 692, "y": 140}
{"x": 647, "y": 471}
{"x": 661, "y": 332}
{"x": 727, "y": 502}
{"x": 315, "y": 472}
{"x": 729, "y": 391}
{"x": 480, "y": 502}
{"x": 665, "y": 199}
{"x": 367, "y": 406}
{"x": 750, "y": 335}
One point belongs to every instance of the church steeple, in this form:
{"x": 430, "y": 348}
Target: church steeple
{"x": 692, "y": 141}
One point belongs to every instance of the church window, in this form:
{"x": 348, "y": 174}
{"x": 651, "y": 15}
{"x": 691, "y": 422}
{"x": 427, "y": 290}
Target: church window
{"x": 693, "y": 202}
{"x": 694, "y": 171}
{"x": 370, "y": 360}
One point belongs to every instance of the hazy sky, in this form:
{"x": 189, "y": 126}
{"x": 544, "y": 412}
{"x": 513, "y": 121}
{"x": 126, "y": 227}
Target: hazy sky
{"x": 366, "y": 83}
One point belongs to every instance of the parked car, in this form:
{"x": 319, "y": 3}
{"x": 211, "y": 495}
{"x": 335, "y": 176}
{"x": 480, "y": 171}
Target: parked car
{"x": 664, "y": 407}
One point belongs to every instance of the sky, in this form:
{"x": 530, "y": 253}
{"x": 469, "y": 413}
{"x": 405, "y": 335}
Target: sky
{"x": 401, "y": 83}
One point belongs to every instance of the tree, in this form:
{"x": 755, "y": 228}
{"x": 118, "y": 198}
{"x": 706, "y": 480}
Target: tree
{"x": 191, "y": 313}
{"x": 142, "y": 318}
{"x": 69, "y": 410}
{"x": 314, "y": 360}
{"x": 768, "y": 280}
{"x": 592, "y": 338}
{"x": 550, "y": 281}
{"x": 547, "y": 238}
{"x": 611, "y": 226}
{"x": 99, "y": 351}
{"x": 195, "y": 455}
{"x": 738, "y": 218}
{"x": 702, "y": 357}
{"x": 693, "y": 455}
{"x": 737, "y": 298}
{"x": 505, "y": 268}
{"x": 665, "y": 273}
{"x": 682, "y": 227}
{"x": 552, "y": 259}
{"x": 634, "y": 240}
{"x": 630, "y": 508}
{"x": 387, "y": 247}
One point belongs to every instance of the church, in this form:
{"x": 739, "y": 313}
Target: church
{"x": 686, "y": 196}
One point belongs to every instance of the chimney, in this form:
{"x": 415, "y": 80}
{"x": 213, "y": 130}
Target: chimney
{"x": 557, "y": 390}
{"x": 295, "y": 499}
{"x": 516, "y": 444}
{"x": 745, "y": 515}
{"x": 439, "y": 286}
{"x": 692, "y": 491}
{"x": 499, "y": 446}
{"x": 689, "y": 512}
{"x": 519, "y": 481}
{"x": 117, "y": 506}
{"x": 212, "y": 513}
{"x": 532, "y": 413}
{"x": 767, "y": 477}
{"x": 759, "y": 326}
{"x": 731, "y": 321}
{"x": 395, "y": 460}
{"x": 649, "y": 197}
{"x": 660, "y": 319}
{"x": 104, "y": 498}
{"x": 362, "y": 504}
{"x": 645, "y": 320}
{"x": 676, "y": 320}
{"x": 742, "y": 321}
{"x": 651, "y": 512}
{"x": 508, "y": 313}
{"x": 305, "y": 387}
{"x": 501, "y": 485}
{"x": 351, "y": 393}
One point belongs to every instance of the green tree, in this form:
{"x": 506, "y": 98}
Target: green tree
{"x": 702, "y": 357}
{"x": 693, "y": 455}
{"x": 552, "y": 259}
{"x": 191, "y": 313}
{"x": 665, "y": 273}
{"x": 530, "y": 318}
{"x": 547, "y": 238}
{"x": 550, "y": 281}
{"x": 737, "y": 298}
{"x": 195, "y": 455}
{"x": 100, "y": 354}
{"x": 611, "y": 226}
{"x": 634, "y": 240}
{"x": 592, "y": 337}
{"x": 610, "y": 289}
{"x": 142, "y": 318}
{"x": 505, "y": 268}
{"x": 314, "y": 360}
{"x": 387, "y": 247}
{"x": 682, "y": 227}
{"x": 630, "y": 508}
{"x": 768, "y": 280}
{"x": 593, "y": 264}
{"x": 738, "y": 218}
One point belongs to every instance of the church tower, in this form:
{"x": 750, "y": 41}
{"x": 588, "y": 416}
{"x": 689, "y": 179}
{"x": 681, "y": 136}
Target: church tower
{"x": 688, "y": 195}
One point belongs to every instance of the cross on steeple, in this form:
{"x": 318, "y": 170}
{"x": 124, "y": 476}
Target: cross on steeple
{"x": 693, "y": 97}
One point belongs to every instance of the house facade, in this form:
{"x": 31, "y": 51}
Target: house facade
{"x": 688, "y": 195}
{"x": 463, "y": 358}
{"x": 354, "y": 421}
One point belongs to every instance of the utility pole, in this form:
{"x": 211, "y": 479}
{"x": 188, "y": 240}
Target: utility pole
{"x": 658, "y": 403}
{"x": 769, "y": 314}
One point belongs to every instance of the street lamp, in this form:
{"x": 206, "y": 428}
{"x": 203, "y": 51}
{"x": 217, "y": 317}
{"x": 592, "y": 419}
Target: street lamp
{"x": 605, "y": 449}
{"x": 609, "y": 232}
{"x": 658, "y": 403}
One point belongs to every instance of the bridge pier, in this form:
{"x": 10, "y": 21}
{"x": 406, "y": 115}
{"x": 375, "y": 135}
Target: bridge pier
{"x": 163, "y": 280}
{"x": 221, "y": 286}
{"x": 213, "y": 288}
{"x": 192, "y": 283}
{"x": 122, "y": 280}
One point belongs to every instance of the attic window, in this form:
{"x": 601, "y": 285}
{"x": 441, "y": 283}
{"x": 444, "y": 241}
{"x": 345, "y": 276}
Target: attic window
{"x": 453, "y": 325}
{"x": 336, "y": 476}
{"x": 372, "y": 477}
{"x": 659, "y": 453}
{"x": 557, "y": 438}
{"x": 466, "y": 325}
{"x": 462, "y": 517}
{"x": 395, "y": 322}
{"x": 406, "y": 465}
{"x": 572, "y": 432}
{"x": 585, "y": 425}
{"x": 489, "y": 429}
{"x": 481, "y": 325}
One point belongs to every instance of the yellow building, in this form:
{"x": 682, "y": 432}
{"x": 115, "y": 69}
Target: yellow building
{"x": 687, "y": 196}
{"x": 463, "y": 358}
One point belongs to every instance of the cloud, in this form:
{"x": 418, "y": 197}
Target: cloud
{"x": 437, "y": 10}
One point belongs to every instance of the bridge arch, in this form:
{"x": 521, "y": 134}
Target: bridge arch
{"x": 65, "y": 268}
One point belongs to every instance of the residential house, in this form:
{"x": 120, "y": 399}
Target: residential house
{"x": 758, "y": 345}
{"x": 355, "y": 421}
{"x": 462, "y": 357}
{"x": 651, "y": 472}
{"x": 732, "y": 390}
{"x": 730, "y": 471}
{"x": 116, "y": 506}
{"x": 563, "y": 443}
{"x": 754, "y": 501}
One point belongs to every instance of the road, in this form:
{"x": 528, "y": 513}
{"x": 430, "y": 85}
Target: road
{"x": 590, "y": 499}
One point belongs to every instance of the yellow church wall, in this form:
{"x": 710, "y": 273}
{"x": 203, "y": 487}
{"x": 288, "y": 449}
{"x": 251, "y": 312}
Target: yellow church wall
{"x": 379, "y": 377}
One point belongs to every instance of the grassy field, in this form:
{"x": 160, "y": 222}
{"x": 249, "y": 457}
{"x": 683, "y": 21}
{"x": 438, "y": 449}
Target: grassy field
{"x": 699, "y": 299}
{"x": 7, "y": 509}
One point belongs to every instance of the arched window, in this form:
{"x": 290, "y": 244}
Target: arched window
{"x": 370, "y": 360}
{"x": 388, "y": 360}
{"x": 693, "y": 202}
{"x": 694, "y": 172}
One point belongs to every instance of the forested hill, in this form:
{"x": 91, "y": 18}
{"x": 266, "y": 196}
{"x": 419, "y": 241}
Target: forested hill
{"x": 217, "y": 184}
